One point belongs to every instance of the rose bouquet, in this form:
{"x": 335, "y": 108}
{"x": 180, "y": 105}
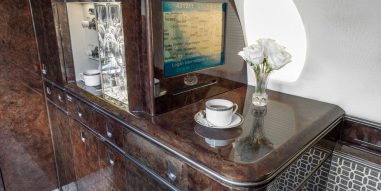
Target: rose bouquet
{"x": 264, "y": 56}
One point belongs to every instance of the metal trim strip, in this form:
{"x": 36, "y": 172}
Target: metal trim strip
{"x": 363, "y": 122}
{"x": 355, "y": 159}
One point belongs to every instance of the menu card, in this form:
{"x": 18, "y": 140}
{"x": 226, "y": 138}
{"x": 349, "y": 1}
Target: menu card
{"x": 193, "y": 36}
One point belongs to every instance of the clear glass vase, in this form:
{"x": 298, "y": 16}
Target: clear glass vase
{"x": 260, "y": 97}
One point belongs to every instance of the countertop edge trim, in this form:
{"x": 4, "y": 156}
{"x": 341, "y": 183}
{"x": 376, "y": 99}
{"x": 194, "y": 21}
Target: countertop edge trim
{"x": 363, "y": 122}
{"x": 357, "y": 159}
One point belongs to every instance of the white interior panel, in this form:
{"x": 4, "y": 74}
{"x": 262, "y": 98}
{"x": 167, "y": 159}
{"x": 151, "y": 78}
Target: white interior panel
{"x": 343, "y": 58}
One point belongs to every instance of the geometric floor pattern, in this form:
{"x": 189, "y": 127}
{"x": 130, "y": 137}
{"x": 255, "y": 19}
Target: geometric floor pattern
{"x": 295, "y": 174}
{"x": 353, "y": 174}
{"x": 341, "y": 172}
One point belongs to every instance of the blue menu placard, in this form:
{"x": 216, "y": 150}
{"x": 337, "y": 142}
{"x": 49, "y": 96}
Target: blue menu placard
{"x": 194, "y": 35}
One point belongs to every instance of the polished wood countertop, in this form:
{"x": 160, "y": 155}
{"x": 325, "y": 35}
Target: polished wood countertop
{"x": 270, "y": 138}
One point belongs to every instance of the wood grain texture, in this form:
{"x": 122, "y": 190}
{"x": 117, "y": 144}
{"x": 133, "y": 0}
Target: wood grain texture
{"x": 62, "y": 145}
{"x": 48, "y": 48}
{"x": 26, "y": 151}
{"x": 361, "y": 134}
{"x": 85, "y": 157}
{"x": 113, "y": 166}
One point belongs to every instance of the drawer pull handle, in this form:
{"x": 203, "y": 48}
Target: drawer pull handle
{"x": 171, "y": 176}
{"x": 82, "y": 135}
{"x": 60, "y": 98}
{"x": 109, "y": 134}
{"x": 48, "y": 91}
{"x": 69, "y": 98}
{"x": 110, "y": 159}
{"x": 109, "y": 130}
{"x": 171, "y": 171}
{"x": 79, "y": 112}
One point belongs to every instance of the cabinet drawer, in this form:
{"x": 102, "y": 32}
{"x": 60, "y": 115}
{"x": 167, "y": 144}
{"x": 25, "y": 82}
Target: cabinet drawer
{"x": 79, "y": 110}
{"x": 105, "y": 126}
{"x": 85, "y": 157}
{"x": 137, "y": 179}
{"x": 153, "y": 157}
{"x": 169, "y": 167}
{"x": 112, "y": 166}
{"x": 56, "y": 95}
{"x": 109, "y": 129}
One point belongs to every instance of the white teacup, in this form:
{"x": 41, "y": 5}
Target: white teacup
{"x": 91, "y": 77}
{"x": 219, "y": 112}
{"x": 85, "y": 24}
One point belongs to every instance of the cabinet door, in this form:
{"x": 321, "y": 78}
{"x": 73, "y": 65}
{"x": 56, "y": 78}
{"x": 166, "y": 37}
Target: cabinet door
{"x": 85, "y": 156}
{"x": 48, "y": 47}
{"x": 62, "y": 145}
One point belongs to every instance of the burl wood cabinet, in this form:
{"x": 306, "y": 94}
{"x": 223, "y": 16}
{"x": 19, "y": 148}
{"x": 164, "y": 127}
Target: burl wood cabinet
{"x": 97, "y": 148}
{"x": 155, "y": 144}
{"x": 49, "y": 43}
{"x": 88, "y": 148}
{"x": 62, "y": 144}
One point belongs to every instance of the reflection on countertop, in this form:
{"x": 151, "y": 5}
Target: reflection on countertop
{"x": 97, "y": 91}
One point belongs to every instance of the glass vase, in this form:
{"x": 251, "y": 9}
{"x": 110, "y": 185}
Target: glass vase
{"x": 260, "y": 97}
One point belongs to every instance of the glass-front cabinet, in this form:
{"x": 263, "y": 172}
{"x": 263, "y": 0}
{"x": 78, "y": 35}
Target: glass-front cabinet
{"x": 152, "y": 56}
{"x": 97, "y": 47}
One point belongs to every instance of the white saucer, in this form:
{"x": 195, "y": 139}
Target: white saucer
{"x": 237, "y": 120}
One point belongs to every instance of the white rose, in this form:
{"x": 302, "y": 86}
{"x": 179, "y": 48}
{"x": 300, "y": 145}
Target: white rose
{"x": 279, "y": 58}
{"x": 276, "y": 54}
{"x": 253, "y": 54}
{"x": 268, "y": 45}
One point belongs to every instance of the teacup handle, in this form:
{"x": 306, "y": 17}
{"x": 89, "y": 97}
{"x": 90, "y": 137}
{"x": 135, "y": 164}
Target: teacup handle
{"x": 236, "y": 108}
{"x": 81, "y": 77}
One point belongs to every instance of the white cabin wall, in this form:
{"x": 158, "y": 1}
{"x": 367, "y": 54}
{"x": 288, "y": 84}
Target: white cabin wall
{"x": 82, "y": 39}
{"x": 343, "y": 57}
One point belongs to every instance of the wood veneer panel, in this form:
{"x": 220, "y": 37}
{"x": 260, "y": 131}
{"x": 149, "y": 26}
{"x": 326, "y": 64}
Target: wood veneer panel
{"x": 45, "y": 30}
{"x": 62, "y": 145}
{"x": 26, "y": 151}
{"x": 362, "y": 134}
{"x": 85, "y": 156}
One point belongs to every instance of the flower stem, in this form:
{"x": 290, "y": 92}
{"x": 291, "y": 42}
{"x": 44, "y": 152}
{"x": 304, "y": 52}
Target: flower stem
{"x": 261, "y": 73}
